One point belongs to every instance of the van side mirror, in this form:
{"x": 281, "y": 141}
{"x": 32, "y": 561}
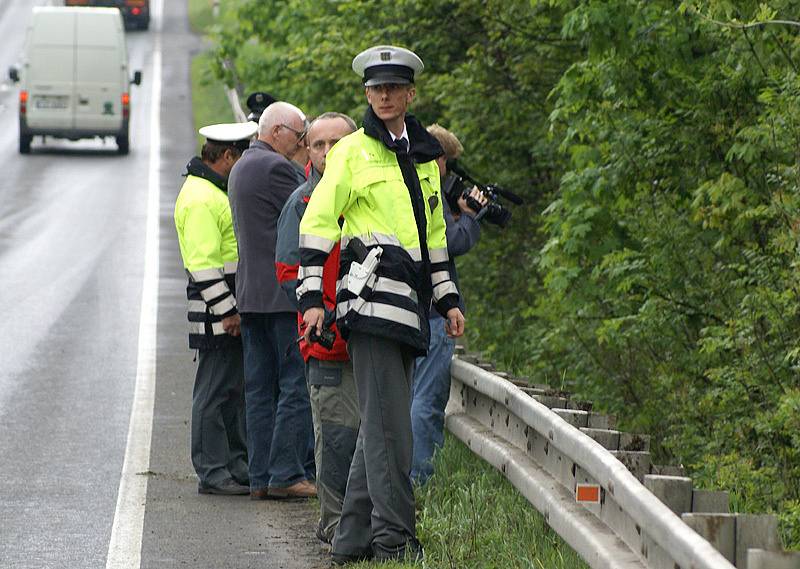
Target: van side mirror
{"x": 137, "y": 78}
{"x": 13, "y": 74}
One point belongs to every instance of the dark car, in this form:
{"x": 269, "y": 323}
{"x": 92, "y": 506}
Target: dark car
{"x": 135, "y": 13}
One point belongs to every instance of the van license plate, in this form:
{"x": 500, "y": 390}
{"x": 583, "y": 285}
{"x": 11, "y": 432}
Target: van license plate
{"x": 51, "y": 102}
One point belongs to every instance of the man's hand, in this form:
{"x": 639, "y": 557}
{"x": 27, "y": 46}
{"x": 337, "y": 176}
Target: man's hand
{"x": 455, "y": 323}
{"x": 312, "y": 319}
{"x": 477, "y": 195}
{"x": 232, "y": 324}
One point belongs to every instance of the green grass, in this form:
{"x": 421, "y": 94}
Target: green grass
{"x": 200, "y": 15}
{"x": 471, "y": 517}
{"x": 209, "y": 104}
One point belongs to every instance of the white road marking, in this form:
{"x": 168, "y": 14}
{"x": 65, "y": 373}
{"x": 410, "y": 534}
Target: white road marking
{"x": 125, "y": 546}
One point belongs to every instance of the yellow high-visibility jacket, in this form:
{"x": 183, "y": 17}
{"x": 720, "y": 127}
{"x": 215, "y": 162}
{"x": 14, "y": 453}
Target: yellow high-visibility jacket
{"x": 210, "y": 254}
{"x": 387, "y": 198}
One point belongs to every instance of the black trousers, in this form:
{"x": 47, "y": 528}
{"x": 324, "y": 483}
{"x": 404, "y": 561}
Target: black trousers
{"x": 219, "y": 450}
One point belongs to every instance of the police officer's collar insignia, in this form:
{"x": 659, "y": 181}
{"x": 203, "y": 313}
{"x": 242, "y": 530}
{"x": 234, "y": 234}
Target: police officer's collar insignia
{"x": 433, "y": 201}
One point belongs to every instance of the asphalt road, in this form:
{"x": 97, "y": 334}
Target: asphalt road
{"x": 72, "y": 249}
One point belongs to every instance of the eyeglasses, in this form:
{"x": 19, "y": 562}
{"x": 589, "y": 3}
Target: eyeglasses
{"x": 300, "y": 134}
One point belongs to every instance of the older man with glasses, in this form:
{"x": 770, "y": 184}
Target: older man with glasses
{"x": 278, "y": 411}
{"x": 299, "y": 159}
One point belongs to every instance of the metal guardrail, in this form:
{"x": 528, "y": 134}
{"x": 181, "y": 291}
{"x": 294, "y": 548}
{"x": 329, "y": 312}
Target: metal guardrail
{"x": 545, "y": 457}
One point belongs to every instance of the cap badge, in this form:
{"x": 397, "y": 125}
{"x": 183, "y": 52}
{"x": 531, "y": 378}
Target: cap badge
{"x": 386, "y": 56}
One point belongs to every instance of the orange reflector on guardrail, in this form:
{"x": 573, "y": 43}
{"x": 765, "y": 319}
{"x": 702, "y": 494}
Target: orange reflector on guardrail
{"x": 587, "y": 493}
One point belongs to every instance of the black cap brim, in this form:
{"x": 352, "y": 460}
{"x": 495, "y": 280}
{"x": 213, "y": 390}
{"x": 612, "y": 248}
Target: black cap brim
{"x": 384, "y": 79}
{"x": 382, "y": 74}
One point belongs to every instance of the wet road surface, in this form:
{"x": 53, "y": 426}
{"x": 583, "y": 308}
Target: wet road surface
{"x": 72, "y": 247}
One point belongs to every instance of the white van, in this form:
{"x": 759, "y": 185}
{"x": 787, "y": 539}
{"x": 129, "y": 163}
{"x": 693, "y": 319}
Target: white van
{"x": 74, "y": 76}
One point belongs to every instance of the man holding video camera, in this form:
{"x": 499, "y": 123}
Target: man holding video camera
{"x": 432, "y": 373}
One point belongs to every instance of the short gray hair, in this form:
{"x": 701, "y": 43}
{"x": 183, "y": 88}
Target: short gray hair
{"x": 332, "y": 115}
{"x": 276, "y": 114}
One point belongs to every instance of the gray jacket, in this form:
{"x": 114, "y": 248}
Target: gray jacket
{"x": 258, "y": 186}
{"x": 462, "y": 235}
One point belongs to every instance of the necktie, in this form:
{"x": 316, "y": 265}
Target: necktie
{"x": 402, "y": 145}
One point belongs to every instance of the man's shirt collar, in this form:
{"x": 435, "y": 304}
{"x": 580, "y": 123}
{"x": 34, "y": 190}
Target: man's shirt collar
{"x": 404, "y": 135}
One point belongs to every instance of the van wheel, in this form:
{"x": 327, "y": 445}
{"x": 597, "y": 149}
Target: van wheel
{"x": 25, "y": 143}
{"x": 123, "y": 145}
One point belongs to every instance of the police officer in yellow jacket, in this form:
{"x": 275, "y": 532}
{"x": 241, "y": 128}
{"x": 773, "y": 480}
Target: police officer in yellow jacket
{"x": 210, "y": 255}
{"x": 384, "y": 182}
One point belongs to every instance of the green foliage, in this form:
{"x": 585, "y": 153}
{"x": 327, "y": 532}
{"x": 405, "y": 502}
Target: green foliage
{"x": 209, "y": 104}
{"x": 671, "y": 249}
{"x": 654, "y": 266}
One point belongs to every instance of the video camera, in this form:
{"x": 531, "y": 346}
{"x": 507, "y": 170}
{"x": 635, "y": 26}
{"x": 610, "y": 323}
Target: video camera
{"x": 455, "y": 187}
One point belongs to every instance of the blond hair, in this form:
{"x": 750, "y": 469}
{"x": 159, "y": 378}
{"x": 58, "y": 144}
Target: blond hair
{"x": 450, "y": 143}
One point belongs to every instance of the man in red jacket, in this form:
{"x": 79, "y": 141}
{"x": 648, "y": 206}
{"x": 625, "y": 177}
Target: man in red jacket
{"x": 329, "y": 373}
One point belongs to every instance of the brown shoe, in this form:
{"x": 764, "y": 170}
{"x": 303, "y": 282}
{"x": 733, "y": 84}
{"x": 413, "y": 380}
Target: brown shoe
{"x": 302, "y": 489}
{"x": 259, "y": 494}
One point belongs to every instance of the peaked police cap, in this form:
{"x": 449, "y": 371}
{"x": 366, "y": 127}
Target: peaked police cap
{"x": 387, "y": 64}
{"x": 257, "y": 102}
{"x": 237, "y": 134}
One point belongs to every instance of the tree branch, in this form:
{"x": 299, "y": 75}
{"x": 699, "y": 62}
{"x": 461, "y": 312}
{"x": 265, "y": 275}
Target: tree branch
{"x": 738, "y": 26}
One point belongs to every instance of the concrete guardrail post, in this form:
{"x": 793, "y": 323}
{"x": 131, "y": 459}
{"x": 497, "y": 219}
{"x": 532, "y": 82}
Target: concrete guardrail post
{"x": 761, "y": 559}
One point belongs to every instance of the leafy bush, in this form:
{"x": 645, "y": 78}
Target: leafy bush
{"x": 654, "y": 265}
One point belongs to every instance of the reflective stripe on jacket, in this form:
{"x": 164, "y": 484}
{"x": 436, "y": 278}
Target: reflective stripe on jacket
{"x": 209, "y": 252}
{"x": 365, "y": 183}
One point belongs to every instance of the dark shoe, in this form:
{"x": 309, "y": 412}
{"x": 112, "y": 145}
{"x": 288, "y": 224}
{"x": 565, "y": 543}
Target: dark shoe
{"x": 259, "y": 494}
{"x": 242, "y": 481}
{"x": 410, "y": 552}
{"x": 226, "y": 488}
{"x": 302, "y": 489}
{"x": 345, "y": 559}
